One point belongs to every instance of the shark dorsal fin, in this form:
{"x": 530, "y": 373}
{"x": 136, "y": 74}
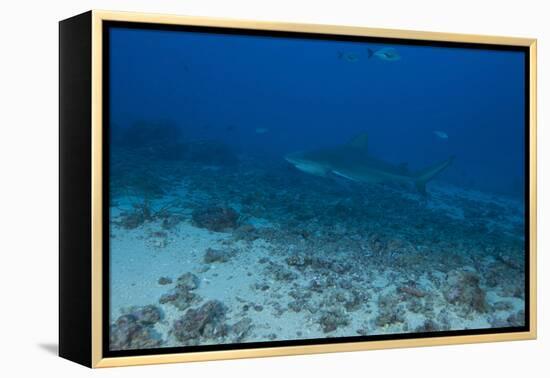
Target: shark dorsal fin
{"x": 360, "y": 141}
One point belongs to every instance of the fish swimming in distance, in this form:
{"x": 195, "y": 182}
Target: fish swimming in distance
{"x": 386, "y": 53}
{"x": 352, "y": 161}
{"x": 349, "y": 57}
{"x": 441, "y": 134}
{"x": 261, "y": 130}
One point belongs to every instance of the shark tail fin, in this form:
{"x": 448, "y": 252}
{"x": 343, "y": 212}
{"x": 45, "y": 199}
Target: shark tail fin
{"x": 371, "y": 53}
{"x": 422, "y": 177}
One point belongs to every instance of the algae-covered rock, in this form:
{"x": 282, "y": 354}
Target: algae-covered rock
{"x": 517, "y": 319}
{"x": 390, "y": 310}
{"x": 279, "y": 272}
{"x": 134, "y": 330}
{"x": 241, "y": 329}
{"x": 182, "y": 296}
{"x": 164, "y": 281}
{"x": 462, "y": 289}
{"x": 332, "y": 319}
{"x": 208, "y": 321}
{"x": 146, "y": 315}
{"x": 188, "y": 281}
{"x": 216, "y": 218}
{"x": 216, "y": 255}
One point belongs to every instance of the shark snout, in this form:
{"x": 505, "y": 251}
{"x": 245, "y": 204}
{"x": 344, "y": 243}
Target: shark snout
{"x": 292, "y": 158}
{"x": 305, "y": 165}
{"x": 296, "y": 159}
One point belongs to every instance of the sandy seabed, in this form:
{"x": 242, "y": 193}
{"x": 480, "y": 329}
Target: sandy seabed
{"x": 178, "y": 279}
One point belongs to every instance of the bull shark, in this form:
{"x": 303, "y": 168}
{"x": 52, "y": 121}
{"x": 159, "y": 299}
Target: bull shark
{"x": 352, "y": 161}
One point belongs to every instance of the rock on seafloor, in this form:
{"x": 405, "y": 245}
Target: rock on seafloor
{"x": 216, "y": 218}
{"x": 183, "y": 295}
{"x": 462, "y": 289}
{"x": 134, "y": 330}
{"x": 208, "y": 324}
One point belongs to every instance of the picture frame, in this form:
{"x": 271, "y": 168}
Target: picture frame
{"x": 85, "y": 274}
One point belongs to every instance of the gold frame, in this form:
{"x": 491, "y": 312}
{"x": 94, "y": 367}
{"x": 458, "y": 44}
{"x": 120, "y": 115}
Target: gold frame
{"x": 97, "y": 357}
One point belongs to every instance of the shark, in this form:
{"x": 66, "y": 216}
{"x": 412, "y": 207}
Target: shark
{"x": 353, "y": 161}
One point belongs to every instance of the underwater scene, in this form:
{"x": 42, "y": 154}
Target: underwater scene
{"x": 284, "y": 187}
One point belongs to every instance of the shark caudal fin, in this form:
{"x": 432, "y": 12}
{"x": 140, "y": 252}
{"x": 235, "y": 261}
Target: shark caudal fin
{"x": 371, "y": 53}
{"x": 422, "y": 177}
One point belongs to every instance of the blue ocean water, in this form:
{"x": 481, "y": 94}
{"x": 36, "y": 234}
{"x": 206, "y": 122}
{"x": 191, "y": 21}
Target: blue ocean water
{"x": 200, "y": 125}
{"x": 306, "y": 96}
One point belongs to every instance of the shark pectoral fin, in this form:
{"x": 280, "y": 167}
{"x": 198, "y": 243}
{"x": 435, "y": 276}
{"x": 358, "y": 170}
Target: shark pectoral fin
{"x": 345, "y": 175}
{"x": 422, "y": 177}
{"x": 312, "y": 169}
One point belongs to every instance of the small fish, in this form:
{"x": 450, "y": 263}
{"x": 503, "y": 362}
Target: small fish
{"x": 386, "y": 53}
{"x": 441, "y": 134}
{"x": 261, "y": 130}
{"x": 349, "y": 57}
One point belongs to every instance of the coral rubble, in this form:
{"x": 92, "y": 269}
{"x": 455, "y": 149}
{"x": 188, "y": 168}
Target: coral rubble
{"x": 134, "y": 330}
{"x": 216, "y": 218}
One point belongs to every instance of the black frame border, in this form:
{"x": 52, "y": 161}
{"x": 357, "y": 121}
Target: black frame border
{"x": 106, "y": 27}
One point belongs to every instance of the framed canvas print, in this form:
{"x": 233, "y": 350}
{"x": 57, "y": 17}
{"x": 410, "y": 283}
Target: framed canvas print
{"x": 238, "y": 189}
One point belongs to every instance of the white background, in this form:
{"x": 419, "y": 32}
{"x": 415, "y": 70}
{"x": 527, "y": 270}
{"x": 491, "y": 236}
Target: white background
{"x": 29, "y": 174}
